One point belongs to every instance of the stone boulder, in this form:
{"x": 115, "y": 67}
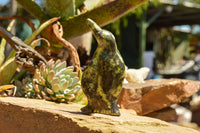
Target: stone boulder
{"x": 20, "y": 115}
{"x": 196, "y": 116}
{"x": 156, "y": 94}
{"x": 167, "y": 114}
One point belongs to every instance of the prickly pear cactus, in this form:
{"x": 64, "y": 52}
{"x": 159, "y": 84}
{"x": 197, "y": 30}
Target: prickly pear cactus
{"x": 54, "y": 82}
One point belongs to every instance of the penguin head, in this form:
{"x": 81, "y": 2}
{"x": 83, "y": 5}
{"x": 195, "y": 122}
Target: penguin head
{"x": 104, "y": 38}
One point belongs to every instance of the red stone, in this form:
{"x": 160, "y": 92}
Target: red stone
{"x": 156, "y": 94}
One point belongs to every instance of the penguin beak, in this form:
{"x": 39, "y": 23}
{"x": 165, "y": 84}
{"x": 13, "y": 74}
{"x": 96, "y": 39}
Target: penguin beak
{"x": 94, "y": 28}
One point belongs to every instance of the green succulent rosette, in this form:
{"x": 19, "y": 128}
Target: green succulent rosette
{"x": 54, "y": 82}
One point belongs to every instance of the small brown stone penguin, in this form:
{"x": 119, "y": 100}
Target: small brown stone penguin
{"x": 103, "y": 77}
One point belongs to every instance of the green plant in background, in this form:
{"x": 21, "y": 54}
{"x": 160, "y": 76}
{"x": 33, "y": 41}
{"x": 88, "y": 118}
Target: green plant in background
{"x": 72, "y": 20}
{"x": 140, "y": 10}
{"x": 9, "y": 64}
{"x": 133, "y": 22}
{"x": 53, "y": 82}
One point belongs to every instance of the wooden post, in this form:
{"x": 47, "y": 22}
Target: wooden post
{"x": 142, "y": 38}
{"x": 143, "y": 25}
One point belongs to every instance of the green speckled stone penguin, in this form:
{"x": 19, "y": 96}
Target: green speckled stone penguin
{"x": 103, "y": 77}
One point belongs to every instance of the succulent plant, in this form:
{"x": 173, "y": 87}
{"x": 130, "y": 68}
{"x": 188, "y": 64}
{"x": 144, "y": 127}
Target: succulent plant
{"x": 53, "y": 82}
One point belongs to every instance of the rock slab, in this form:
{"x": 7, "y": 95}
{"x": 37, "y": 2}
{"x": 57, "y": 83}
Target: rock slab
{"x": 20, "y": 115}
{"x": 167, "y": 114}
{"x": 156, "y": 94}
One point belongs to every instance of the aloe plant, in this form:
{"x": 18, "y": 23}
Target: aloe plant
{"x": 101, "y": 11}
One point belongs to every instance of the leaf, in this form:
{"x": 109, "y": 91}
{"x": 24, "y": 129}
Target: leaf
{"x": 62, "y": 8}
{"x": 5, "y": 75}
{"x": 91, "y": 4}
{"x": 6, "y": 87}
{"x": 34, "y": 9}
{"x": 3, "y": 44}
{"x": 2, "y": 49}
{"x": 78, "y": 3}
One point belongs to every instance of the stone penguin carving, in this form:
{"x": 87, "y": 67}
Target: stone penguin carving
{"x": 103, "y": 77}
